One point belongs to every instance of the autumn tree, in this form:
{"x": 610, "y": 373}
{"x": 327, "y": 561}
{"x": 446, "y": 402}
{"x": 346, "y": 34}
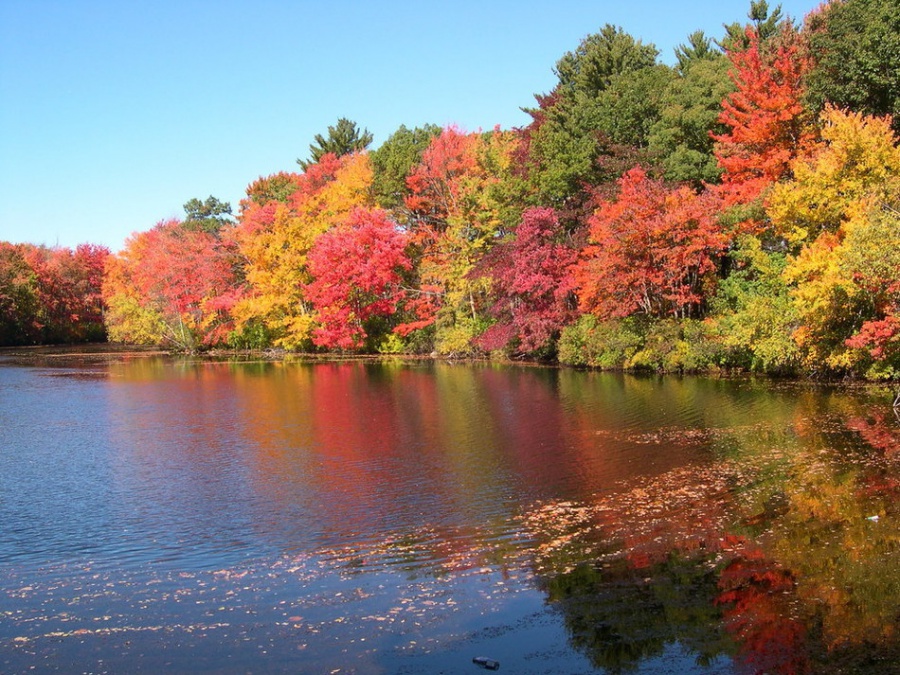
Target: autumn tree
{"x": 172, "y": 286}
{"x": 871, "y": 255}
{"x": 343, "y": 138}
{"x": 833, "y": 211}
{"x": 532, "y": 288}
{"x": 846, "y": 286}
{"x": 51, "y": 295}
{"x": 19, "y": 305}
{"x": 463, "y": 196}
{"x": 356, "y": 279}
{"x": 765, "y": 119}
{"x": 274, "y": 238}
{"x": 651, "y": 251}
{"x": 857, "y": 158}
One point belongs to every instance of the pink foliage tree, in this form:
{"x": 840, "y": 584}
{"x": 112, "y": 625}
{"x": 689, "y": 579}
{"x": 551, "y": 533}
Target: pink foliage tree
{"x": 356, "y": 269}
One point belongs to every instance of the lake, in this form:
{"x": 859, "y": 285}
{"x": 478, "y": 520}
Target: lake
{"x": 164, "y": 515}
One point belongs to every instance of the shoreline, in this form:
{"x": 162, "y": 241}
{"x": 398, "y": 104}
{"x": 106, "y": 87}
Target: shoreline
{"x": 105, "y": 352}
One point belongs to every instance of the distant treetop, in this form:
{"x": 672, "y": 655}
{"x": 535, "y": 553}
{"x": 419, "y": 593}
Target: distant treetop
{"x": 343, "y": 138}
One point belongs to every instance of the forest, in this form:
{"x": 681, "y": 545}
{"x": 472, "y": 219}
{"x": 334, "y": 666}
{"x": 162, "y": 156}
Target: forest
{"x": 737, "y": 210}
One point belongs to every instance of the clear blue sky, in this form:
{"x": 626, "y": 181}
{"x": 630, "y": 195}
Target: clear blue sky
{"x": 114, "y": 113}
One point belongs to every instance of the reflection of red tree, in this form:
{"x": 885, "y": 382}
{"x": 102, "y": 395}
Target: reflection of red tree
{"x": 880, "y": 430}
{"x": 756, "y": 595}
{"x": 527, "y": 425}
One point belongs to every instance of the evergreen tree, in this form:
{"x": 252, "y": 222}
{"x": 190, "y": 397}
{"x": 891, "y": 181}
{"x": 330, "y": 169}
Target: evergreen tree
{"x": 765, "y": 24}
{"x": 207, "y": 216}
{"x": 698, "y": 48}
{"x": 394, "y": 159}
{"x": 856, "y": 48}
{"x": 604, "y": 104}
{"x": 343, "y": 138}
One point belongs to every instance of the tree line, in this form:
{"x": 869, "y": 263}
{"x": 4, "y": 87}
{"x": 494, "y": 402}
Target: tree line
{"x": 740, "y": 209}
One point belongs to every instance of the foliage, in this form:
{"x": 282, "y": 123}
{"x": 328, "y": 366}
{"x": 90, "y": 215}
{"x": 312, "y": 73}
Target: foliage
{"x": 639, "y": 343}
{"x": 463, "y": 196}
{"x": 871, "y": 254}
{"x": 130, "y": 322}
{"x": 607, "y": 344}
{"x": 857, "y": 158}
{"x": 752, "y": 314}
{"x": 765, "y": 118}
{"x": 698, "y": 48}
{"x": 356, "y": 278}
{"x": 652, "y": 251}
{"x": 847, "y": 290}
{"x": 275, "y": 237}
{"x": 275, "y": 188}
{"x": 210, "y": 215}
{"x": 573, "y": 125}
{"x": 532, "y": 289}
{"x": 51, "y": 295}
{"x": 771, "y": 246}
{"x": 856, "y": 49}
{"x": 628, "y": 108}
{"x": 394, "y": 159}
{"x": 69, "y": 292}
{"x": 844, "y": 277}
{"x": 170, "y": 286}
{"x": 18, "y": 297}
{"x": 343, "y": 138}
{"x": 602, "y": 56}
{"x": 762, "y": 24}
{"x": 682, "y": 137}
{"x": 676, "y": 345}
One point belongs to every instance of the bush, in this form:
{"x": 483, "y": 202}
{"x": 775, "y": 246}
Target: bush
{"x": 608, "y": 344}
{"x": 639, "y": 343}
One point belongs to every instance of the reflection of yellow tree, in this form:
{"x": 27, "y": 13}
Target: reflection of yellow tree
{"x": 820, "y": 506}
{"x": 797, "y": 521}
{"x": 839, "y": 534}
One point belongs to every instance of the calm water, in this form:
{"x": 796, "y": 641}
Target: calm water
{"x": 172, "y": 516}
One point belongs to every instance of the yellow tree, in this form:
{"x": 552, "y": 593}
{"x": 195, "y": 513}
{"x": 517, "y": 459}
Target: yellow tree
{"x": 856, "y": 158}
{"x": 276, "y": 232}
{"x": 832, "y": 209}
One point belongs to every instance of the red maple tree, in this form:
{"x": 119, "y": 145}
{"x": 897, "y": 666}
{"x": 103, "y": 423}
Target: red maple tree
{"x": 767, "y": 126}
{"x": 533, "y": 288}
{"x": 651, "y": 251}
{"x": 356, "y": 270}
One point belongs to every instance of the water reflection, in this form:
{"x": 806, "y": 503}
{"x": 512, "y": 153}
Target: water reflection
{"x": 786, "y": 550}
{"x": 719, "y": 525}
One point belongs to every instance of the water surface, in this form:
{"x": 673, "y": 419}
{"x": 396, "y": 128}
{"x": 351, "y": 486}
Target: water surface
{"x": 165, "y": 515}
